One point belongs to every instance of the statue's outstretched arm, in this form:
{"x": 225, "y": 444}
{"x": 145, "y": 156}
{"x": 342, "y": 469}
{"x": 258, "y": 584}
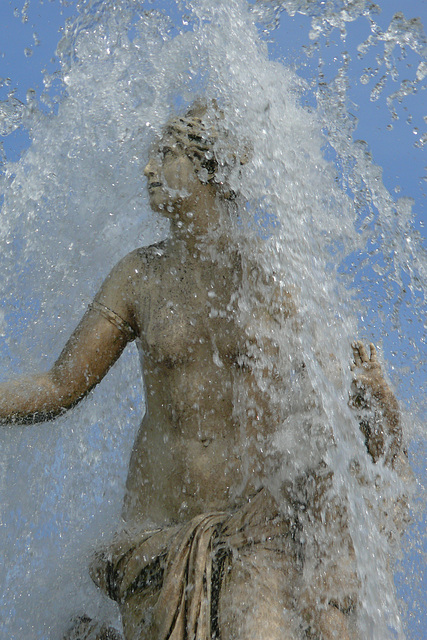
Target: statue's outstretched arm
{"x": 92, "y": 349}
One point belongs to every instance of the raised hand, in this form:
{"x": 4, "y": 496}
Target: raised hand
{"x": 377, "y": 407}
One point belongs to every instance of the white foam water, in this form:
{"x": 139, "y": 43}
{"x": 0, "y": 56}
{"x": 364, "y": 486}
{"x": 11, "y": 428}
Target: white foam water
{"x": 314, "y": 215}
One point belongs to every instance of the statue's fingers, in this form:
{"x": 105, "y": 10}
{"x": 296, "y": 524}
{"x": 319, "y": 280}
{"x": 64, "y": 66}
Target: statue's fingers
{"x": 363, "y": 353}
{"x": 373, "y": 352}
{"x": 356, "y": 355}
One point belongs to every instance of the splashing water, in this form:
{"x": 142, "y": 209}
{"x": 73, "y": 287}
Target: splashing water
{"x": 315, "y": 216}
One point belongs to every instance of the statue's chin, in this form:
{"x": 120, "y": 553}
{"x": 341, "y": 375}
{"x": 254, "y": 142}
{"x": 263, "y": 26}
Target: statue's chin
{"x": 161, "y": 204}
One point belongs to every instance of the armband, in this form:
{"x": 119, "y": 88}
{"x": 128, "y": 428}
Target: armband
{"x": 115, "y": 319}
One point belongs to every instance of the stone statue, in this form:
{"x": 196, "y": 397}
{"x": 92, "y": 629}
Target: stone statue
{"x": 206, "y": 551}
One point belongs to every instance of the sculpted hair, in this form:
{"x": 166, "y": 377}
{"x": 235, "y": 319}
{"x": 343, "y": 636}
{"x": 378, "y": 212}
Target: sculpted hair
{"x": 203, "y": 136}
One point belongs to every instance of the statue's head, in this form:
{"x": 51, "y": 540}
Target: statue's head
{"x": 196, "y": 135}
{"x": 197, "y": 146}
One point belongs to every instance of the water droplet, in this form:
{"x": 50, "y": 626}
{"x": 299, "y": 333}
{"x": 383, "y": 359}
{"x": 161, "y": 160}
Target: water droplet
{"x": 421, "y": 71}
{"x": 30, "y": 95}
{"x": 421, "y": 142}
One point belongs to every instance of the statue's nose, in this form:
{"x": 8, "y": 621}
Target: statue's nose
{"x": 149, "y": 169}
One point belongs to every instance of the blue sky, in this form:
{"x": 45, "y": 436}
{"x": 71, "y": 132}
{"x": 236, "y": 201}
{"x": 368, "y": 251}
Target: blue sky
{"x": 403, "y": 164}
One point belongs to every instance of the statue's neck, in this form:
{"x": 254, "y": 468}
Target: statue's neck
{"x": 199, "y": 248}
{"x": 205, "y": 229}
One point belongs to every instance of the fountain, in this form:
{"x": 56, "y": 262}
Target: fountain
{"x": 315, "y": 203}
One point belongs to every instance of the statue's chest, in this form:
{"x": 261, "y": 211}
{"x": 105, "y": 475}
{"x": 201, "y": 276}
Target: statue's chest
{"x": 188, "y": 317}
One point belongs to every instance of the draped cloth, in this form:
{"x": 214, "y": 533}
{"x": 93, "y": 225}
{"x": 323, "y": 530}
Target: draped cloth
{"x": 167, "y": 580}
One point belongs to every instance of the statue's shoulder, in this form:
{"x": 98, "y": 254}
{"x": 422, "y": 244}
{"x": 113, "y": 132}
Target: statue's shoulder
{"x": 142, "y": 261}
{"x": 152, "y": 254}
{"x": 132, "y": 277}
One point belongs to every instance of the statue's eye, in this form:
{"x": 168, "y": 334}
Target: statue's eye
{"x": 166, "y": 151}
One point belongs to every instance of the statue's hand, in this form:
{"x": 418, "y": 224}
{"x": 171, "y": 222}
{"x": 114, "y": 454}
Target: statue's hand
{"x": 377, "y": 407}
{"x": 368, "y": 375}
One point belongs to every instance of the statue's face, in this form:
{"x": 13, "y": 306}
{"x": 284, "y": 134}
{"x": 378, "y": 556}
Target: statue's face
{"x": 172, "y": 177}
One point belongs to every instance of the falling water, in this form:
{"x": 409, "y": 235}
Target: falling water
{"x": 314, "y": 214}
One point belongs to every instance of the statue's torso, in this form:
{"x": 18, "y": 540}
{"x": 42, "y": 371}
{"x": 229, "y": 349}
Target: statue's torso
{"x": 192, "y": 452}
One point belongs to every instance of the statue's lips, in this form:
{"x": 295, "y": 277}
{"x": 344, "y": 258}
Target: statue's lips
{"x": 153, "y": 185}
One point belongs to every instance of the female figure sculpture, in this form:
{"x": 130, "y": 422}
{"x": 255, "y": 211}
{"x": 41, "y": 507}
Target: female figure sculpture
{"x": 207, "y": 551}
